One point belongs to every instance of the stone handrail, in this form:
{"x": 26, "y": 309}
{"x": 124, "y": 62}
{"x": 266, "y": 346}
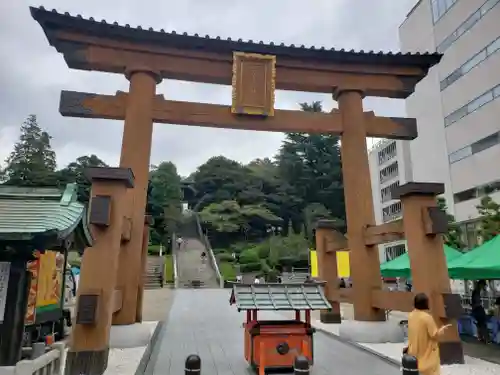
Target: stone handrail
{"x": 206, "y": 242}
{"x": 50, "y": 363}
{"x": 174, "y": 260}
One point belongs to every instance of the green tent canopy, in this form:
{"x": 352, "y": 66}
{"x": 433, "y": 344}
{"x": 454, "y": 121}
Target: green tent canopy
{"x": 400, "y": 266}
{"x": 483, "y": 262}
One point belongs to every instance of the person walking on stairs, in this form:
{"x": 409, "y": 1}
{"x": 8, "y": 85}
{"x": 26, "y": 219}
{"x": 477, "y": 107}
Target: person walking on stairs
{"x": 180, "y": 242}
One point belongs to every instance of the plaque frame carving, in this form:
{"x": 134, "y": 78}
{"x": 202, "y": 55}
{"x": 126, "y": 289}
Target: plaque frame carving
{"x": 238, "y": 107}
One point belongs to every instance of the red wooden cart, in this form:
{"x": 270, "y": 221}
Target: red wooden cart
{"x": 274, "y": 344}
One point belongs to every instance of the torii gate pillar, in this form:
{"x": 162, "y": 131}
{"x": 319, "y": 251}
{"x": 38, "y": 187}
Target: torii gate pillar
{"x": 135, "y": 154}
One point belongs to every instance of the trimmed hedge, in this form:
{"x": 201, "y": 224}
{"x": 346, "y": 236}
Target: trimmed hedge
{"x": 251, "y": 267}
{"x": 225, "y": 257}
{"x": 249, "y": 256}
{"x": 227, "y": 271}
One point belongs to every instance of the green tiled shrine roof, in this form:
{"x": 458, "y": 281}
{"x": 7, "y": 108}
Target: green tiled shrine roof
{"x": 307, "y": 296}
{"x": 26, "y": 212}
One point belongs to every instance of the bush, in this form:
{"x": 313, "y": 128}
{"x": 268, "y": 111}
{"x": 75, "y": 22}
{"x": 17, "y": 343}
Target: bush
{"x": 239, "y": 247}
{"x": 154, "y": 250}
{"x": 264, "y": 266}
{"x": 249, "y": 256}
{"x": 225, "y": 257}
{"x": 221, "y": 251}
{"x": 263, "y": 250}
{"x": 272, "y": 276}
{"x": 251, "y": 267}
{"x": 227, "y": 271}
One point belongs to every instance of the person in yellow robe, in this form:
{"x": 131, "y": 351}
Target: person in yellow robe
{"x": 423, "y": 335}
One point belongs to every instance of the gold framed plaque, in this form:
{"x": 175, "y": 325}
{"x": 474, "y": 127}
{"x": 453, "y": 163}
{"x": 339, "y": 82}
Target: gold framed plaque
{"x": 253, "y": 84}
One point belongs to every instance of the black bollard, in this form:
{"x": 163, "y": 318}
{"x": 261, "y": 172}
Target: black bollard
{"x": 193, "y": 365}
{"x": 409, "y": 365}
{"x": 301, "y": 365}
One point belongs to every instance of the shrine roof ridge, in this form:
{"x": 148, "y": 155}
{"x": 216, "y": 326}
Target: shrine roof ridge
{"x": 53, "y": 20}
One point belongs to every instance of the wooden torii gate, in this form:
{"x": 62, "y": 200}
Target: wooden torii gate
{"x": 255, "y": 70}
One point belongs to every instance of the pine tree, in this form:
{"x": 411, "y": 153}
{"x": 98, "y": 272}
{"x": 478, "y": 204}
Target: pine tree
{"x": 489, "y": 224}
{"x": 32, "y": 162}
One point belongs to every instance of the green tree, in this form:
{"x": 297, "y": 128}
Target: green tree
{"x": 312, "y": 213}
{"x": 489, "y": 224}
{"x": 74, "y": 172}
{"x": 310, "y": 164}
{"x": 454, "y": 237}
{"x": 229, "y": 216}
{"x": 165, "y": 199}
{"x": 32, "y": 162}
{"x": 217, "y": 180}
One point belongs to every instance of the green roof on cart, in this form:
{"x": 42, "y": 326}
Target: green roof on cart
{"x": 307, "y": 296}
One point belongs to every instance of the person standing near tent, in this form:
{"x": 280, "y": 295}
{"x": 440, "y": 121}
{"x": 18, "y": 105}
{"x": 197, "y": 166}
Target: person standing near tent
{"x": 423, "y": 335}
{"x": 478, "y": 312}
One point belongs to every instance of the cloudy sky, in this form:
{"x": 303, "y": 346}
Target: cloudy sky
{"x": 32, "y": 73}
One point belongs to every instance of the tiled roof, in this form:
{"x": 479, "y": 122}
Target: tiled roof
{"x": 307, "y": 296}
{"x": 52, "y": 20}
{"x": 26, "y": 212}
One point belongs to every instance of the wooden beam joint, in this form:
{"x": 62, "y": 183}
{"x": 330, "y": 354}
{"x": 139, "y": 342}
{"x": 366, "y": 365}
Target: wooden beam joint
{"x": 379, "y": 234}
{"x": 444, "y": 305}
{"x": 343, "y": 295}
{"x": 126, "y": 229}
{"x": 435, "y": 221}
{"x": 117, "y": 300}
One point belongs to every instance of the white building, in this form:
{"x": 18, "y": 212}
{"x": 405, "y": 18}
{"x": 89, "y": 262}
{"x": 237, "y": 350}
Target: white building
{"x": 390, "y": 166}
{"x": 457, "y": 106}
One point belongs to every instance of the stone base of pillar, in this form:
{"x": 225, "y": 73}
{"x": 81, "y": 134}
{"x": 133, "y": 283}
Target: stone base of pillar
{"x": 132, "y": 335}
{"x": 371, "y": 332}
{"x": 451, "y": 352}
{"x": 86, "y": 362}
{"x": 330, "y": 317}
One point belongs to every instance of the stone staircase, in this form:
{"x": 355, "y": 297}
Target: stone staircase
{"x": 153, "y": 277}
{"x": 192, "y": 272}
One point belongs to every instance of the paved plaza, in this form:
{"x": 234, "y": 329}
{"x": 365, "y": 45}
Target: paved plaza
{"x": 202, "y": 322}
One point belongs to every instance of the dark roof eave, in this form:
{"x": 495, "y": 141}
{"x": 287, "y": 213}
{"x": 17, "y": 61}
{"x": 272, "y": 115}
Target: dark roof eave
{"x": 52, "y": 20}
{"x": 47, "y": 238}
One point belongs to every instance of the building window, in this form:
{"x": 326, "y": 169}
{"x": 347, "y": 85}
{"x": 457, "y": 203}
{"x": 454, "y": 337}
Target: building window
{"x": 389, "y": 172}
{"x": 484, "y": 143}
{"x": 477, "y": 192}
{"x": 392, "y": 212}
{"x": 387, "y": 153}
{"x": 386, "y": 193}
{"x": 440, "y": 7}
{"x": 472, "y": 106}
{"x": 476, "y": 147}
{"x": 460, "y": 154}
{"x": 466, "y": 25}
{"x": 392, "y": 252}
{"x": 474, "y": 61}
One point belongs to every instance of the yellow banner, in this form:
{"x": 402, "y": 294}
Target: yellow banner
{"x": 343, "y": 267}
{"x": 49, "y": 279}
